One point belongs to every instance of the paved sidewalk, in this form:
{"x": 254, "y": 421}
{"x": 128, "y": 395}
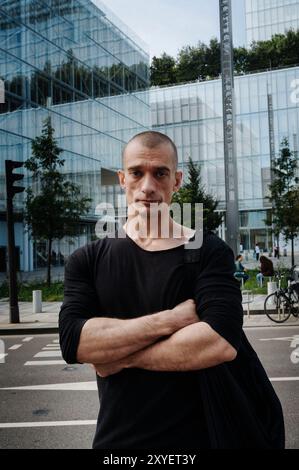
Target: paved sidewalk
{"x": 47, "y": 321}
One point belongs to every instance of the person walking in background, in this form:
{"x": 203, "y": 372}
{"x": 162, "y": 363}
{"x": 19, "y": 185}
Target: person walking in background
{"x": 240, "y": 269}
{"x": 257, "y": 251}
{"x": 266, "y": 269}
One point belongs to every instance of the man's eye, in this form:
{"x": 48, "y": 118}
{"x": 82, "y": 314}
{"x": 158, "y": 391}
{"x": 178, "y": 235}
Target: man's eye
{"x": 160, "y": 174}
{"x": 136, "y": 173}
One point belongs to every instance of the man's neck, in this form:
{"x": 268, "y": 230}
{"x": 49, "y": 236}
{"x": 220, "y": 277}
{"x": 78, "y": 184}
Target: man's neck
{"x": 158, "y": 239}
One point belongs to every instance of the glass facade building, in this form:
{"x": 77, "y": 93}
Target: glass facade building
{"x": 191, "y": 115}
{"x": 74, "y": 61}
{"x": 264, "y": 18}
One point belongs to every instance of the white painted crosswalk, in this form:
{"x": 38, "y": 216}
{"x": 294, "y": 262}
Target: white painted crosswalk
{"x": 45, "y": 363}
{"x": 45, "y": 355}
{"x": 15, "y": 347}
{"x": 29, "y": 338}
{"x": 48, "y": 354}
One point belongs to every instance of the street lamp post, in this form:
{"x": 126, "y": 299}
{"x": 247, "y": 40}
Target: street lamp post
{"x": 230, "y": 161}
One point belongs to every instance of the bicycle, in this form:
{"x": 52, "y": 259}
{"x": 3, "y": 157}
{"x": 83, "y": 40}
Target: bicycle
{"x": 283, "y": 303}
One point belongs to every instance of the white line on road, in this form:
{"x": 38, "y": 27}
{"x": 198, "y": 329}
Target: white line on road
{"x": 2, "y": 355}
{"x": 285, "y": 338}
{"x": 52, "y": 346}
{"x": 44, "y": 363}
{"x": 15, "y": 346}
{"x": 43, "y": 424}
{"x": 48, "y": 354}
{"x": 87, "y": 386}
{"x": 284, "y": 379}
{"x": 47, "y": 348}
{"x": 26, "y": 340}
{"x": 55, "y": 340}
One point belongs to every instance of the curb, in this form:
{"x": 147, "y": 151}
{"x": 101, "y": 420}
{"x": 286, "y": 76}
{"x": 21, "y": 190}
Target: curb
{"x": 28, "y": 331}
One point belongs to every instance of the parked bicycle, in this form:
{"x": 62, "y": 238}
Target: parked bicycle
{"x": 283, "y": 303}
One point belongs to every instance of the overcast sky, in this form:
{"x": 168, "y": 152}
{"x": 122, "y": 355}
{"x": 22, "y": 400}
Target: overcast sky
{"x": 168, "y": 25}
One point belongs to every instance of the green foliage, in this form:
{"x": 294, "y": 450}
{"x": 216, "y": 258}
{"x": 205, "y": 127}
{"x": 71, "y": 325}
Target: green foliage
{"x": 163, "y": 70}
{"x": 194, "y": 192}
{"x": 284, "y": 195}
{"x": 53, "y": 293}
{"x": 54, "y": 206}
{"x": 202, "y": 62}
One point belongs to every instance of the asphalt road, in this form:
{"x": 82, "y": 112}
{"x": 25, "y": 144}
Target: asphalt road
{"x": 59, "y": 407}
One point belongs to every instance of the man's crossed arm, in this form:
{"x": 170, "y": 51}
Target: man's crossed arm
{"x": 172, "y": 340}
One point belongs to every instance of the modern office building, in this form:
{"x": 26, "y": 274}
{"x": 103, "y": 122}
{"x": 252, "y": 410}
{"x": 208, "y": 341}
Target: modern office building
{"x": 74, "y": 61}
{"x": 264, "y": 18}
{"x": 191, "y": 115}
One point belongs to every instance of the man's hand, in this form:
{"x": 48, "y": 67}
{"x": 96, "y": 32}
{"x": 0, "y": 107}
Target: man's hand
{"x": 184, "y": 314}
{"x": 104, "y": 370}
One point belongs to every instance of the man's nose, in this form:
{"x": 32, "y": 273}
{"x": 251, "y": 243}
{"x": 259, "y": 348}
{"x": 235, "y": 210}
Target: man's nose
{"x": 148, "y": 185}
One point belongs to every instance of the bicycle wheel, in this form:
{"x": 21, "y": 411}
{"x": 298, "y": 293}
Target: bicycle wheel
{"x": 295, "y": 303}
{"x": 277, "y": 308}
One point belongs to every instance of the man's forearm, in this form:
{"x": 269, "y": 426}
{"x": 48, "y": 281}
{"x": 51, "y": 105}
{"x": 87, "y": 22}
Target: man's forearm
{"x": 192, "y": 348}
{"x": 106, "y": 340}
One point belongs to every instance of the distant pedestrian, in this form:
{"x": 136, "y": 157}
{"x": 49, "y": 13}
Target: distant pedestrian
{"x": 240, "y": 272}
{"x": 266, "y": 269}
{"x": 257, "y": 251}
{"x": 276, "y": 251}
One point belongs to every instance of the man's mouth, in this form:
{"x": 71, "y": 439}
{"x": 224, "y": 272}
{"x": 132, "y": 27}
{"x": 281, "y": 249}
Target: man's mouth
{"x": 148, "y": 201}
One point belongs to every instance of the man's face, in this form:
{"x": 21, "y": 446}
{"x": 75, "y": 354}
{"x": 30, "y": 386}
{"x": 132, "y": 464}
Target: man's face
{"x": 149, "y": 175}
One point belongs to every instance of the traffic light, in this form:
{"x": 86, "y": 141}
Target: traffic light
{"x": 11, "y": 191}
{"x": 11, "y": 177}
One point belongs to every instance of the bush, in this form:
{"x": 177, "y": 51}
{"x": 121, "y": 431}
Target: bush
{"x": 54, "y": 293}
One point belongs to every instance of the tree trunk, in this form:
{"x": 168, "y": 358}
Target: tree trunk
{"x": 49, "y": 261}
{"x": 293, "y": 254}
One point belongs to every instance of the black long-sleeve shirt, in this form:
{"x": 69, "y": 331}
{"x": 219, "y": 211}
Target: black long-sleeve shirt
{"x": 143, "y": 409}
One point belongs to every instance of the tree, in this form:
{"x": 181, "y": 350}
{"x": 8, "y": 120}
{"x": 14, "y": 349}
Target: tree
{"x": 204, "y": 61}
{"x": 163, "y": 70}
{"x": 54, "y": 206}
{"x": 194, "y": 192}
{"x": 284, "y": 196}
{"x": 191, "y": 63}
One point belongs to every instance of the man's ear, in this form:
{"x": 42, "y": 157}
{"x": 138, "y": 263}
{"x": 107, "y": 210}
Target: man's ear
{"x": 122, "y": 178}
{"x": 178, "y": 181}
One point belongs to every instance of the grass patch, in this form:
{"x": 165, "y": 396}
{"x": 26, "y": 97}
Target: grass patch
{"x": 54, "y": 293}
{"x": 252, "y": 284}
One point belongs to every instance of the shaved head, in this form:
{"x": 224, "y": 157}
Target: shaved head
{"x": 151, "y": 140}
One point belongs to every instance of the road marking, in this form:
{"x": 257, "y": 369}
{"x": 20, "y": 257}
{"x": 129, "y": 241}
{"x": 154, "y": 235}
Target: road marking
{"x": 55, "y": 340}
{"x": 15, "y": 346}
{"x": 2, "y": 355}
{"x": 26, "y": 340}
{"x": 87, "y": 386}
{"x": 286, "y": 338}
{"x": 52, "y": 346}
{"x": 44, "y": 363}
{"x": 43, "y": 424}
{"x": 55, "y": 348}
{"x": 284, "y": 379}
{"x": 48, "y": 354}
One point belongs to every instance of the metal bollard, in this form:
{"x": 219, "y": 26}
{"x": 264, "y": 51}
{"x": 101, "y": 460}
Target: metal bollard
{"x": 37, "y": 301}
{"x": 272, "y": 287}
